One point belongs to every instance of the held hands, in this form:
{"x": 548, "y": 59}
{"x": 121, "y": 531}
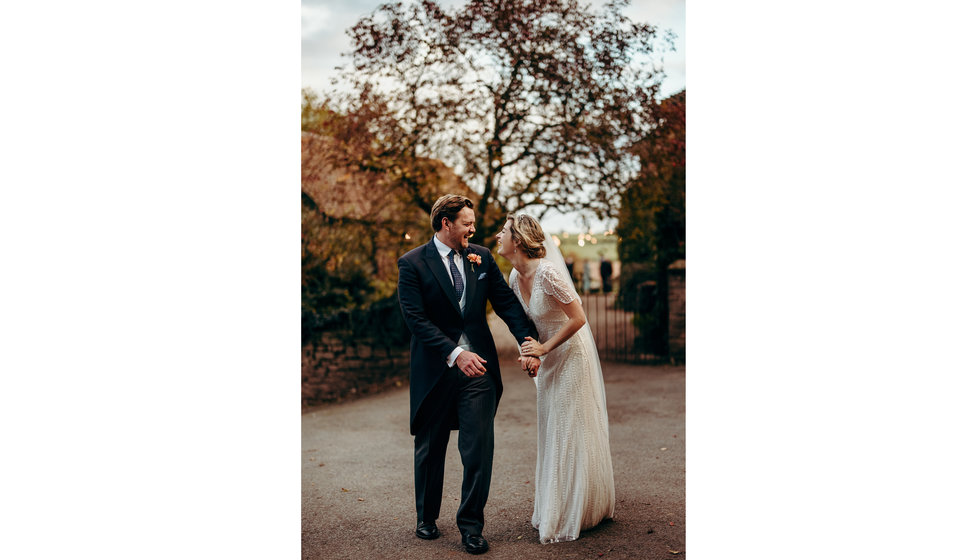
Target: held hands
{"x": 530, "y": 365}
{"x": 531, "y": 347}
{"x": 470, "y": 364}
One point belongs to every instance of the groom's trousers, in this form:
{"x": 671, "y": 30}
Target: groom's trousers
{"x": 473, "y": 401}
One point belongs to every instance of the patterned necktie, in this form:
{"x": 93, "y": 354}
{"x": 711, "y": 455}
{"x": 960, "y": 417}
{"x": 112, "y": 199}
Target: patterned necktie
{"x": 457, "y": 277}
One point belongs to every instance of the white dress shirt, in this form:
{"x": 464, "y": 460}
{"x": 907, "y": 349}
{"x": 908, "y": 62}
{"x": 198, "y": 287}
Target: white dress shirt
{"x": 463, "y": 343}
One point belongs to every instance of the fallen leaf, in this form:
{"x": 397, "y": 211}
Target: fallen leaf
{"x": 519, "y": 537}
{"x": 674, "y": 551}
{"x": 321, "y": 464}
{"x": 663, "y": 449}
{"x": 362, "y": 499}
{"x": 671, "y": 523}
{"x": 344, "y": 490}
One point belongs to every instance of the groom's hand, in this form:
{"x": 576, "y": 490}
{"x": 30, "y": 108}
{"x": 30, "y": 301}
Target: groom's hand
{"x": 530, "y": 365}
{"x": 470, "y": 364}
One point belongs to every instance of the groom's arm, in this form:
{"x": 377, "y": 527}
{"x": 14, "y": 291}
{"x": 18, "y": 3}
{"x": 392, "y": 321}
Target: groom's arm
{"x": 506, "y": 305}
{"x": 410, "y": 298}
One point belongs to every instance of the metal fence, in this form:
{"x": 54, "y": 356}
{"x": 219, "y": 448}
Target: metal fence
{"x": 611, "y": 318}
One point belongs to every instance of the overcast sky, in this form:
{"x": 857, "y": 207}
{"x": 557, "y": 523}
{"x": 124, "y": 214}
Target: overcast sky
{"x": 324, "y": 39}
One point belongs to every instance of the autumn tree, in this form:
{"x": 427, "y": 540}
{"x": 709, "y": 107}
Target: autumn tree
{"x": 535, "y": 103}
{"x": 340, "y": 231}
{"x": 356, "y": 217}
{"x": 652, "y": 221}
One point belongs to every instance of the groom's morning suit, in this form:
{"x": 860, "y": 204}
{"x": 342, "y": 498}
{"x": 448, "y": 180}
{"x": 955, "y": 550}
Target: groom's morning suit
{"x": 442, "y": 397}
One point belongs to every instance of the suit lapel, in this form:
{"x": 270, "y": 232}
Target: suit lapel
{"x": 468, "y": 270}
{"x": 434, "y": 261}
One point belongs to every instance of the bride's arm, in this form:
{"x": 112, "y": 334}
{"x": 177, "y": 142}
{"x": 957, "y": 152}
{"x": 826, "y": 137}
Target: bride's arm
{"x": 576, "y": 318}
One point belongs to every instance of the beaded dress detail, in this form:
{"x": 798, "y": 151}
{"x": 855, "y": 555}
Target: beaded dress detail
{"x": 573, "y": 479}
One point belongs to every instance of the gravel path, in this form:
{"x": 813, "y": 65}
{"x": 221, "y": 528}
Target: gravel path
{"x": 357, "y": 489}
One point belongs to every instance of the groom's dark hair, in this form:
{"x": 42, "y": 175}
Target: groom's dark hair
{"x": 448, "y": 206}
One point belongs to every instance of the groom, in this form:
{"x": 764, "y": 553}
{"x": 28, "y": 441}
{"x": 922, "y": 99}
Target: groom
{"x": 443, "y": 287}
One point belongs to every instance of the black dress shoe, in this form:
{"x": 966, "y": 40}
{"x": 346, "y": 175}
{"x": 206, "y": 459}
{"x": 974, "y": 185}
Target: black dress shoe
{"x": 475, "y": 544}
{"x": 427, "y": 530}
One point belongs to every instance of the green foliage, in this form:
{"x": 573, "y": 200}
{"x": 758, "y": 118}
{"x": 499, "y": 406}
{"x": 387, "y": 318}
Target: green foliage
{"x": 357, "y": 217}
{"x": 341, "y": 287}
{"x": 652, "y": 216}
{"x": 652, "y": 222}
{"x": 382, "y": 316}
{"x": 337, "y": 272}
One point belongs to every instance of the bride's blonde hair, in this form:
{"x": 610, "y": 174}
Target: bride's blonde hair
{"x": 528, "y": 234}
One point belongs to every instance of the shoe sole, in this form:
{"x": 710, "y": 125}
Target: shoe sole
{"x": 428, "y": 538}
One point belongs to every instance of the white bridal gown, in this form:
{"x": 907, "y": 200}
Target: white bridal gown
{"x": 573, "y": 479}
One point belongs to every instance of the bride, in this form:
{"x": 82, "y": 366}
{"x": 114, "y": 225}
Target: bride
{"x": 573, "y": 479}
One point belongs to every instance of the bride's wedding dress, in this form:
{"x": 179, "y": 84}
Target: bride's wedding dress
{"x": 573, "y": 479}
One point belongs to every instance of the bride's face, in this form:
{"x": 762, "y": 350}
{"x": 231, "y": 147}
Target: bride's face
{"x": 505, "y": 242}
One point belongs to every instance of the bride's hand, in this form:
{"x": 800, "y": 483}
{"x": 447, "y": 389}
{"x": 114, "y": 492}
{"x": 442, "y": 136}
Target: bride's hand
{"x": 532, "y": 347}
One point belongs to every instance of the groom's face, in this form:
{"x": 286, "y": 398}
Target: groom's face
{"x": 460, "y": 230}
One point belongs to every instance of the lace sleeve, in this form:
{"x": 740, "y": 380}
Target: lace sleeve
{"x": 556, "y": 286}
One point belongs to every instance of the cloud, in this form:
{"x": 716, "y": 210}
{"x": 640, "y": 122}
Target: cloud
{"x": 658, "y": 12}
{"x": 315, "y": 20}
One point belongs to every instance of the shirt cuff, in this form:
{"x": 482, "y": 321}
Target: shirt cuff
{"x": 453, "y": 356}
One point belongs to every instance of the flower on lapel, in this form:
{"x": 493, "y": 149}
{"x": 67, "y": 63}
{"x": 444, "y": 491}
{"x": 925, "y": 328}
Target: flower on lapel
{"x": 474, "y": 259}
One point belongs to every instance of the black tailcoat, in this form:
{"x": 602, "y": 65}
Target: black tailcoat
{"x": 430, "y": 309}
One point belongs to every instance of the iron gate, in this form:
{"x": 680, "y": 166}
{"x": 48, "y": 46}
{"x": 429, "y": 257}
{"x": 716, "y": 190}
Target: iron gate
{"x": 613, "y": 319}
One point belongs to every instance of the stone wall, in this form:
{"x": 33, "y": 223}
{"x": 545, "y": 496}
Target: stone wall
{"x": 676, "y": 302}
{"x": 335, "y": 367}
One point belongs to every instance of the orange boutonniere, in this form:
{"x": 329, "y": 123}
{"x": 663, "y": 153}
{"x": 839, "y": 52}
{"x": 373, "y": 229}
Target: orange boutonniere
{"x": 474, "y": 259}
